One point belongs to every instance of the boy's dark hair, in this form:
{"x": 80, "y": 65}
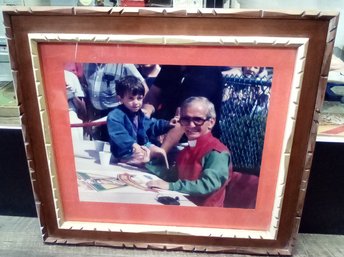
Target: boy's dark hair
{"x": 129, "y": 84}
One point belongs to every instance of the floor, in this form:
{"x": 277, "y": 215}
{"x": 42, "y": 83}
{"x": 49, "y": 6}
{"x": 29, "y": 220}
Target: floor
{"x": 20, "y": 236}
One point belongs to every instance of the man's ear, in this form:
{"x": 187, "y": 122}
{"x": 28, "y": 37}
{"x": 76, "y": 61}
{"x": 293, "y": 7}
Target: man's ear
{"x": 211, "y": 123}
{"x": 119, "y": 98}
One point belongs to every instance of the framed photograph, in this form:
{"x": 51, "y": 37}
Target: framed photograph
{"x": 264, "y": 73}
{"x": 331, "y": 119}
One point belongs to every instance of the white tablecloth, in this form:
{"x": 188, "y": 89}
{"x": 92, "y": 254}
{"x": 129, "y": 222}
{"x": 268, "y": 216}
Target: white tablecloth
{"x": 87, "y": 162}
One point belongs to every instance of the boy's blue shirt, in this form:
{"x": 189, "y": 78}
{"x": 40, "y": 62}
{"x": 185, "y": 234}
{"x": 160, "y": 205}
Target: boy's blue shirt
{"x": 123, "y": 134}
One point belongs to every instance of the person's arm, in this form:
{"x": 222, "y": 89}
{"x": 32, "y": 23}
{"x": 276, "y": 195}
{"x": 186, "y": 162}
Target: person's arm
{"x": 158, "y": 127}
{"x": 151, "y": 101}
{"x": 76, "y": 94}
{"x": 215, "y": 173}
{"x": 80, "y": 107}
{"x": 161, "y": 172}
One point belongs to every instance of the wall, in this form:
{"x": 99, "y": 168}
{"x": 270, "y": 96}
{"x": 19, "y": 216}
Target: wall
{"x": 323, "y": 5}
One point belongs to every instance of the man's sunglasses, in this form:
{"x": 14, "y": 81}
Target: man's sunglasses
{"x": 198, "y": 121}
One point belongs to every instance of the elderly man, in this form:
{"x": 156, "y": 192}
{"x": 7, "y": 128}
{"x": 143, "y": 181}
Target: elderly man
{"x": 203, "y": 168}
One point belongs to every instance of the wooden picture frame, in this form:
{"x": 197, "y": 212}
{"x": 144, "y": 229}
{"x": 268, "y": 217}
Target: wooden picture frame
{"x": 297, "y": 45}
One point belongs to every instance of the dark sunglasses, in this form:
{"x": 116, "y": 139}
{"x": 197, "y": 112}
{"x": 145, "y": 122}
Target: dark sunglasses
{"x": 198, "y": 121}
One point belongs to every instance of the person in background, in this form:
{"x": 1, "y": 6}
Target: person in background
{"x": 203, "y": 168}
{"x": 130, "y": 130}
{"x": 149, "y": 72}
{"x": 76, "y": 68}
{"x": 75, "y": 95}
{"x": 176, "y": 83}
{"x": 173, "y": 85}
{"x": 76, "y": 104}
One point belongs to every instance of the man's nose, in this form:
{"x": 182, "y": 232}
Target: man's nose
{"x": 191, "y": 124}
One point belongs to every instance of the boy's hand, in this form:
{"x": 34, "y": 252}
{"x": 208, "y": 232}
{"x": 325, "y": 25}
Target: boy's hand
{"x": 136, "y": 148}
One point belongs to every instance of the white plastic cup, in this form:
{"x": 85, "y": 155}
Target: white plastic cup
{"x": 104, "y": 158}
{"x": 106, "y": 147}
{"x": 99, "y": 145}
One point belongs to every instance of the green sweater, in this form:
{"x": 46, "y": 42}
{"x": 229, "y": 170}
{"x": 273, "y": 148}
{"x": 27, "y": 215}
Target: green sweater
{"x": 214, "y": 175}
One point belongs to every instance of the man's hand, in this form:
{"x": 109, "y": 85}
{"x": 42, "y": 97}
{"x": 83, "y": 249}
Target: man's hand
{"x": 158, "y": 184}
{"x": 141, "y": 155}
{"x": 159, "y": 152}
{"x": 174, "y": 121}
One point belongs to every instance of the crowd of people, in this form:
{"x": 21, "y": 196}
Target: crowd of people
{"x": 149, "y": 109}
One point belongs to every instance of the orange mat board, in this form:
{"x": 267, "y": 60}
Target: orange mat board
{"x": 54, "y": 56}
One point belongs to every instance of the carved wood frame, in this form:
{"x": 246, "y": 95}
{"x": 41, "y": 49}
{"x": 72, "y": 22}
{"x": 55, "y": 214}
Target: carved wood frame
{"x": 311, "y": 33}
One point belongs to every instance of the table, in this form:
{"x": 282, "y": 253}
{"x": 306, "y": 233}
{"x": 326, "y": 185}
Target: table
{"x": 98, "y": 183}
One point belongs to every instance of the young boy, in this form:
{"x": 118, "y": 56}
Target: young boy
{"x": 203, "y": 168}
{"x": 129, "y": 129}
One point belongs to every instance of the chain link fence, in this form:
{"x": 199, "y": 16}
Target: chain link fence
{"x": 244, "y": 112}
